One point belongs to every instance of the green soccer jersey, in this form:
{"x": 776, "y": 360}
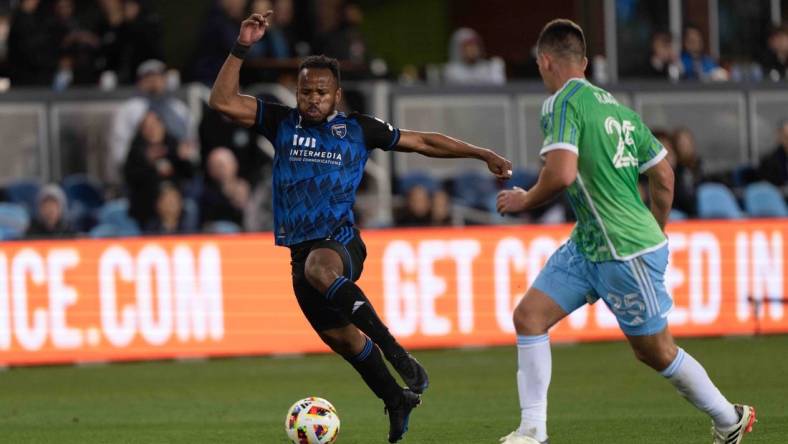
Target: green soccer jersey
{"x": 613, "y": 146}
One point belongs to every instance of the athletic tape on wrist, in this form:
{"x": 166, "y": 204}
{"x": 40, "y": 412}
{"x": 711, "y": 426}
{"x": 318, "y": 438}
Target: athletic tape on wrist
{"x": 240, "y": 50}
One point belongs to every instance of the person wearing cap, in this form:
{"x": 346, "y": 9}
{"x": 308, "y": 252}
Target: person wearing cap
{"x": 152, "y": 95}
{"x": 50, "y": 219}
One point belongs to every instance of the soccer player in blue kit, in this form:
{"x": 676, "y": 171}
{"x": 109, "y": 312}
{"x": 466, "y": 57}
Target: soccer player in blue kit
{"x": 318, "y": 165}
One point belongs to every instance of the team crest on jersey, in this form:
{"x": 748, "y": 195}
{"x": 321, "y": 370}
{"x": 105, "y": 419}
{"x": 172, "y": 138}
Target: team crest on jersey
{"x": 339, "y": 130}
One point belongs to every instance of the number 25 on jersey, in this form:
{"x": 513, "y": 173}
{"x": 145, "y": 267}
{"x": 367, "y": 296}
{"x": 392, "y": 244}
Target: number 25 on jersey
{"x": 623, "y": 157}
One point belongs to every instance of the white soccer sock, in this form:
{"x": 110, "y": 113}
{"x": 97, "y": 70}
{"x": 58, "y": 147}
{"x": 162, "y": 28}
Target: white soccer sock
{"x": 693, "y": 383}
{"x": 535, "y": 365}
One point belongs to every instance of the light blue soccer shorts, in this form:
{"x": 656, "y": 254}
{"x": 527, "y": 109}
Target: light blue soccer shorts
{"x": 634, "y": 290}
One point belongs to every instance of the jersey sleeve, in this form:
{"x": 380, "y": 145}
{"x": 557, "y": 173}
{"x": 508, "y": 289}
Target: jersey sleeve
{"x": 269, "y": 116}
{"x": 377, "y": 133}
{"x": 560, "y": 127}
{"x": 650, "y": 150}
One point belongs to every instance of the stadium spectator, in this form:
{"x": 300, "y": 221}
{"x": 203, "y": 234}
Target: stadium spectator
{"x": 50, "y": 220}
{"x": 130, "y": 33}
{"x": 440, "y": 215}
{"x": 5, "y": 28}
{"x": 688, "y": 171}
{"x": 275, "y": 44}
{"x": 77, "y": 46}
{"x": 663, "y": 61}
{"x": 340, "y": 34}
{"x": 467, "y": 62}
{"x": 416, "y": 212}
{"x": 666, "y": 139}
{"x": 31, "y": 57}
{"x": 154, "y": 157}
{"x": 696, "y": 63}
{"x": 169, "y": 217}
{"x": 225, "y": 195}
{"x": 218, "y": 33}
{"x": 216, "y": 130}
{"x": 284, "y": 15}
{"x": 152, "y": 95}
{"x": 774, "y": 166}
{"x": 775, "y": 62}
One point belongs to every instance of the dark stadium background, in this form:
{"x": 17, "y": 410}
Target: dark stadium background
{"x": 78, "y": 79}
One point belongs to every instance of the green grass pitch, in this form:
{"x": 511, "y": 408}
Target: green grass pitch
{"x": 599, "y": 394}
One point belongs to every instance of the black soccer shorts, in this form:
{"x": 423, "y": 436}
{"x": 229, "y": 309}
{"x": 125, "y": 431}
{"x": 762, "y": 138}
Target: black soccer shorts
{"x": 318, "y": 311}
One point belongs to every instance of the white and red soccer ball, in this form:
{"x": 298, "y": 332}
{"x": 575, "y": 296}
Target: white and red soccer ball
{"x": 312, "y": 421}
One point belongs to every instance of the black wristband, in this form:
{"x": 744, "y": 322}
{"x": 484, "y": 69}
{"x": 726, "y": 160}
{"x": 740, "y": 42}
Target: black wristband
{"x": 239, "y": 50}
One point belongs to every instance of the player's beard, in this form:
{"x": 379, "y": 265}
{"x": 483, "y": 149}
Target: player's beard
{"x": 314, "y": 116}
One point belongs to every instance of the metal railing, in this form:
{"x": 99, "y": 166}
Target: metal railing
{"x": 49, "y": 135}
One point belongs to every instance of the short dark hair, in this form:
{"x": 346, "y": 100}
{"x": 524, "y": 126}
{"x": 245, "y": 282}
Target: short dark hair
{"x": 321, "y": 61}
{"x": 690, "y": 27}
{"x": 563, "y": 38}
{"x": 662, "y": 37}
{"x": 779, "y": 29}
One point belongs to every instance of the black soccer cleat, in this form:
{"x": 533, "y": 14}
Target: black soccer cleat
{"x": 399, "y": 415}
{"x": 412, "y": 373}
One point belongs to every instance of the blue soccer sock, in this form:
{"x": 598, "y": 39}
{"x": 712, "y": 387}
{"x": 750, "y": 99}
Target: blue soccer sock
{"x": 369, "y": 364}
{"x": 352, "y": 302}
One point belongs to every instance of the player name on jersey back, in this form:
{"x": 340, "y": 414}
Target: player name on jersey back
{"x": 614, "y": 147}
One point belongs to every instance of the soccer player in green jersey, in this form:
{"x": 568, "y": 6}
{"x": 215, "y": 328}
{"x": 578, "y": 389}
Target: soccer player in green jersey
{"x": 594, "y": 149}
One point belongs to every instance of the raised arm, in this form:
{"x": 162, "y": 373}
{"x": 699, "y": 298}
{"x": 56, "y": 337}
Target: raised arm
{"x": 660, "y": 188}
{"x": 439, "y": 145}
{"x": 225, "y": 95}
{"x": 560, "y": 171}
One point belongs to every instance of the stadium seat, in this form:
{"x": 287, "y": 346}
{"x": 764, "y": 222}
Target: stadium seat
{"x": 191, "y": 216}
{"x": 14, "y": 220}
{"x": 412, "y": 179}
{"x": 84, "y": 199}
{"x": 523, "y": 178}
{"x": 677, "y": 215}
{"x": 79, "y": 188}
{"x": 24, "y": 192}
{"x": 474, "y": 189}
{"x": 222, "y": 227}
{"x": 716, "y": 201}
{"x": 743, "y": 175}
{"x": 115, "y": 212}
{"x": 114, "y": 220}
{"x": 763, "y": 199}
{"x": 111, "y": 230}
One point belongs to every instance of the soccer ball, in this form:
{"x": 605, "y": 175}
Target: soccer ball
{"x": 312, "y": 421}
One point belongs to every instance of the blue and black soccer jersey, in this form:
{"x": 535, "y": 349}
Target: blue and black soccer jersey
{"x": 318, "y": 168}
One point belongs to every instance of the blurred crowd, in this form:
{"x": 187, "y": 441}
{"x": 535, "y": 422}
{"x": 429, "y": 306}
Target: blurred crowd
{"x": 169, "y": 186}
{"x": 64, "y": 43}
{"x": 690, "y": 175}
{"x": 693, "y": 61}
{"x": 170, "y": 172}
{"x": 749, "y": 191}
{"x": 55, "y": 43}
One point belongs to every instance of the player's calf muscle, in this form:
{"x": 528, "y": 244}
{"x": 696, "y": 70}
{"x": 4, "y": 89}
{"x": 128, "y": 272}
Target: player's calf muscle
{"x": 345, "y": 341}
